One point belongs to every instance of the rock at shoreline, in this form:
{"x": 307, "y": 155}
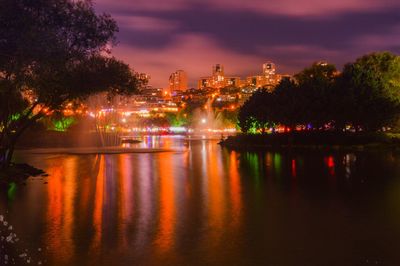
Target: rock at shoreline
{"x": 19, "y": 173}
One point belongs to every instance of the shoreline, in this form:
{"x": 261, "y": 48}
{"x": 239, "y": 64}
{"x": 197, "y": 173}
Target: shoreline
{"x": 18, "y": 173}
{"x": 317, "y": 141}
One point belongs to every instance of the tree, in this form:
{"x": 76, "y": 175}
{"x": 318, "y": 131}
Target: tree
{"x": 365, "y": 95}
{"x": 246, "y": 118}
{"x": 372, "y": 86}
{"x": 51, "y": 52}
{"x": 289, "y": 104}
{"x": 316, "y": 94}
{"x": 257, "y": 112}
{"x": 176, "y": 119}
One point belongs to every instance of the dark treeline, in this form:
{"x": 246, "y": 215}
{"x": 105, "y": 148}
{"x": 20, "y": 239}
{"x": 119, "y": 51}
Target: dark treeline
{"x": 364, "y": 96}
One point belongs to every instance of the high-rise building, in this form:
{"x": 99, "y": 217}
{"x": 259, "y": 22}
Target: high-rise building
{"x": 269, "y": 69}
{"x": 204, "y": 83}
{"x": 218, "y": 79}
{"x": 142, "y": 77}
{"x": 233, "y": 81}
{"x": 178, "y": 81}
{"x": 218, "y": 76}
{"x": 268, "y": 78}
{"x": 218, "y": 70}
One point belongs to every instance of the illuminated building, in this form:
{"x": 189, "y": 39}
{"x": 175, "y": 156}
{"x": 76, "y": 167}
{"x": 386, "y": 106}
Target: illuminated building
{"x": 178, "y": 81}
{"x": 233, "y": 82}
{"x": 218, "y": 70}
{"x": 204, "y": 83}
{"x": 269, "y": 69}
{"x": 255, "y": 81}
{"x": 268, "y": 79}
{"x": 143, "y": 77}
{"x": 218, "y": 76}
{"x": 321, "y": 63}
{"x": 218, "y": 79}
{"x": 151, "y": 94}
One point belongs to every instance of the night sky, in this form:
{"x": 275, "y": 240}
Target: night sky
{"x": 160, "y": 36}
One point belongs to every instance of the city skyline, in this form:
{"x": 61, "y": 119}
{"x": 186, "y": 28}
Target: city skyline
{"x": 159, "y": 38}
{"x": 267, "y": 75}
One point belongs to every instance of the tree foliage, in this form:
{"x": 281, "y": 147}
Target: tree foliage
{"x": 372, "y": 88}
{"x": 256, "y": 113}
{"x": 366, "y": 95}
{"x": 53, "y": 51}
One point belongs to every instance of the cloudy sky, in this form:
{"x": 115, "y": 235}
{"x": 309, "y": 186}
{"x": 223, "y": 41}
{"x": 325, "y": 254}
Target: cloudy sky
{"x": 160, "y": 36}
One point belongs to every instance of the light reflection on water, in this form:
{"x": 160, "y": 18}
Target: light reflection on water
{"x": 208, "y": 205}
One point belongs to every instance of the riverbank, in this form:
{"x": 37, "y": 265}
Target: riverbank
{"x": 314, "y": 140}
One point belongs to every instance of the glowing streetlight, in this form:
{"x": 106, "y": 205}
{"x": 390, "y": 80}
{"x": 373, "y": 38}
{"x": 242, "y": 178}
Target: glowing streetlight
{"x": 203, "y": 121}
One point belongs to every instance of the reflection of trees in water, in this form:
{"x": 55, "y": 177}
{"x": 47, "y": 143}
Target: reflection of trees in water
{"x": 287, "y": 167}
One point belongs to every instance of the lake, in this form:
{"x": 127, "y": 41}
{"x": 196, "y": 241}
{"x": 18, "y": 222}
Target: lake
{"x": 196, "y": 203}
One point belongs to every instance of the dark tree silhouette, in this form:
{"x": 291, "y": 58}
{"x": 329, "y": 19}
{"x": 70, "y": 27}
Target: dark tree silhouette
{"x": 366, "y": 96}
{"x": 371, "y": 87}
{"x": 52, "y": 51}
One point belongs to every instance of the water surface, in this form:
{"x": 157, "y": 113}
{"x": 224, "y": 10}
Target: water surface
{"x": 204, "y": 205}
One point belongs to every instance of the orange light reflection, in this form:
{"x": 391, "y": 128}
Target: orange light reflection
{"x": 167, "y": 220}
{"x": 235, "y": 190}
{"x": 60, "y": 213}
{"x": 98, "y": 204}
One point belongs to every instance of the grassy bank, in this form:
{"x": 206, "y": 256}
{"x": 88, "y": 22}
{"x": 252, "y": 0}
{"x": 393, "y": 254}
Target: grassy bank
{"x": 314, "y": 140}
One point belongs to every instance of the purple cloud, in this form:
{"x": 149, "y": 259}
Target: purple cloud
{"x": 159, "y": 37}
